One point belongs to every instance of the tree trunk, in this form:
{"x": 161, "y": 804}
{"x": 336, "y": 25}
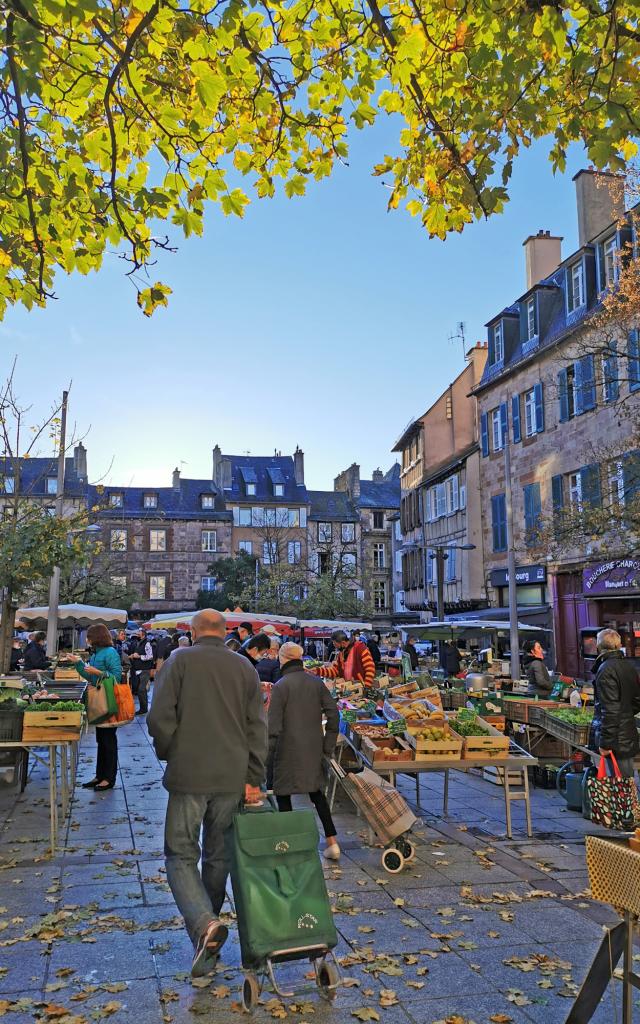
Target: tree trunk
{"x": 6, "y": 631}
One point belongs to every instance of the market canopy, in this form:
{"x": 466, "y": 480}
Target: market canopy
{"x": 73, "y": 615}
{"x": 464, "y": 628}
{"x": 182, "y": 620}
{"x": 333, "y": 624}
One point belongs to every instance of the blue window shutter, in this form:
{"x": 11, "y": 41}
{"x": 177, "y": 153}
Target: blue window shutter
{"x": 590, "y": 484}
{"x": 557, "y": 501}
{"x": 633, "y": 353}
{"x": 587, "y": 383}
{"x": 600, "y": 258}
{"x": 631, "y": 475}
{"x": 538, "y": 392}
{"x": 504, "y": 422}
{"x": 611, "y": 389}
{"x": 492, "y": 348}
{"x": 563, "y": 394}
{"x": 484, "y": 432}
{"x": 515, "y": 418}
{"x": 499, "y": 522}
{"x": 532, "y": 511}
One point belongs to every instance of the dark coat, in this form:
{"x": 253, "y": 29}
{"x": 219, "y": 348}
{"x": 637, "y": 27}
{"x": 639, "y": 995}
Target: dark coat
{"x": 617, "y": 700}
{"x": 540, "y": 682}
{"x": 296, "y": 740}
{"x": 374, "y": 650}
{"x": 268, "y": 670}
{"x": 34, "y": 657}
{"x": 413, "y": 656}
{"x": 452, "y": 660}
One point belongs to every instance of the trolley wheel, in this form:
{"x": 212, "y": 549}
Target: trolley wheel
{"x": 392, "y": 861}
{"x": 409, "y": 851}
{"x": 328, "y": 978}
{"x": 250, "y": 992}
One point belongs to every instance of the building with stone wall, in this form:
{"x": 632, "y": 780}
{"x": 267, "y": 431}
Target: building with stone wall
{"x": 548, "y": 395}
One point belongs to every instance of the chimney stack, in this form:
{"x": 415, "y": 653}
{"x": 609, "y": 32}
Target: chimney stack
{"x": 543, "y": 255}
{"x": 80, "y": 462}
{"x": 298, "y": 466}
{"x": 216, "y": 472}
{"x": 378, "y": 476}
{"x": 600, "y": 201}
{"x": 175, "y": 483}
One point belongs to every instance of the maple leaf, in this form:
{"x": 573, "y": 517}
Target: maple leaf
{"x": 366, "y": 1013}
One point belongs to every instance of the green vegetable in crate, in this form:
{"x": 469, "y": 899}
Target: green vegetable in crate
{"x": 467, "y": 724}
{"x": 58, "y": 705}
{"x": 573, "y": 716}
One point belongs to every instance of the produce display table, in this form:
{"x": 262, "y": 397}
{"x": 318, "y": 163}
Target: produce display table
{"x": 518, "y": 760}
{"x": 68, "y": 769}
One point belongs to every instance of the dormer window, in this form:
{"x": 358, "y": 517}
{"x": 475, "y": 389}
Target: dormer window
{"x": 207, "y": 501}
{"x": 575, "y": 286}
{"x": 498, "y": 343}
{"x": 532, "y": 327}
{"x": 278, "y": 490}
{"x": 52, "y": 485}
{"x": 9, "y": 484}
{"x": 150, "y": 501}
{"x": 251, "y": 490}
{"x": 116, "y": 499}
{"x": 609, "y": 262}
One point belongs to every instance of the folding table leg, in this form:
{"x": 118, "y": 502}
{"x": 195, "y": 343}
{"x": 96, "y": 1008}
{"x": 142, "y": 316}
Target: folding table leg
{"x": 507, "y": 799}
{"x": 527, "y": 801}
{"x": 64, "y": 779}
{"x": 53, "y": 797}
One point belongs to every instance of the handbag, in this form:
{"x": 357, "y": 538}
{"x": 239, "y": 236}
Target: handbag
{"x": 614, "y": 800}
{"x": 126, "y": 707}
{"x": 101, "y": 701}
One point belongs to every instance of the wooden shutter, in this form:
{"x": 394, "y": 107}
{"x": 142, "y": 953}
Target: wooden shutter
{"x": 590, "y": 484}
{"x": 532, "y": 510}
{"x": 484, "y": 430}
{"x": 538, "y": 393}
{"x": 610, "y": 377}
{"x": 504, "y": 422}
{"x": 633, "y": 355}
{"x": 515, "y": 418}
{"x": 600, "y": 267}
{"x": 498, "y": 522}
{"x": 563, "y": 395}
{"x": 631, "y": 475}
{"x": 492, "y": 348}
{"x": 557, "y": 501}
{"x": 587, "y": 383}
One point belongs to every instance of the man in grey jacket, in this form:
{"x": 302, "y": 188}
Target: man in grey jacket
{"x": 207, "y": 722}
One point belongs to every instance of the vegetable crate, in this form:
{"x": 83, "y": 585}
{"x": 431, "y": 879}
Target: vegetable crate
{"x": 490, "y": 747}
{"x": 447, "y": 749}
{"x": 391, "y": 749}
{"x": 520, "y": 709}
{"x": 10, "y": 724}
{"x": 69, "y": 674}
{"x": 570, "y": 732}
{"x": 51, "y": 726}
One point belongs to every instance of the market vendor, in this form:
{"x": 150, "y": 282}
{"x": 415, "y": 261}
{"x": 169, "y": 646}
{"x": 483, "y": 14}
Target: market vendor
{"x": 34, "y": 658}
{"x": 353, "y": 661}
{"x": 540, "y": 681}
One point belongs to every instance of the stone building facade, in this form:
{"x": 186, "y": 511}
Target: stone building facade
{"x": 440, "y": 505}
{"x": 548, "y": 395}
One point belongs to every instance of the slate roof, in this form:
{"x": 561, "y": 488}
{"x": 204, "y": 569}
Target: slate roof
{"x": 34, "y": 474}
{"x": 265, "y": 472}
{"x": 332, "y": 506}
{"x": 381, "y": 495}
{"x": 179, "y": 503}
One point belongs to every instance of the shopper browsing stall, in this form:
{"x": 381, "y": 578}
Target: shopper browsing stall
{"x": 353, "y": 661}
{"x": 104, "y": 661}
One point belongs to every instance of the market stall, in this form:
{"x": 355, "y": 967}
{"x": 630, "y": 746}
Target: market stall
{"x": 285, "y": 625}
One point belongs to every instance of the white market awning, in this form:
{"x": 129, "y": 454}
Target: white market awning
{"x": 73, "y": 615}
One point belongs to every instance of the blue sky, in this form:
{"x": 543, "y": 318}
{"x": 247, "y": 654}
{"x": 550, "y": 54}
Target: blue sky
{"x": 322, "y": 321}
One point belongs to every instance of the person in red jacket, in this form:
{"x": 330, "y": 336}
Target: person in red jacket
{"x": 354, "y": 661}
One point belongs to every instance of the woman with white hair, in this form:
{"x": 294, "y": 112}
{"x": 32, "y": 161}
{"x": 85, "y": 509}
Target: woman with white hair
{"x": 297, "y": 743}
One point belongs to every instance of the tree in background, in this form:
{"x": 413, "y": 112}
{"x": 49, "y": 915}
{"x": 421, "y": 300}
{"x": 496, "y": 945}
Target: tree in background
{"x": 118, "y": 115}
{"x": 32, "y": 542}
{"x": 236, "y": 581}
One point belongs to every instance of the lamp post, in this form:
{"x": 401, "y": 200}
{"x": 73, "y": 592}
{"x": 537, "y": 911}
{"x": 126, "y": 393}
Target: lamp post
{"x": 440, "y": 552}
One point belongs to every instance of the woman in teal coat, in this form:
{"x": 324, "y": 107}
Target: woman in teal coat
{"x": 105, "y": 661}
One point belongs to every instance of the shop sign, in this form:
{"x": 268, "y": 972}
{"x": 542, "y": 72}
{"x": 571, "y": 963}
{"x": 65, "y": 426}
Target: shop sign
{"x": 525, "y": 575}
{"x": 608, "y": 577}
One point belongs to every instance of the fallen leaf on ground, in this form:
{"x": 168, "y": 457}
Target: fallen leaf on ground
{"x": 366, "y": 1013}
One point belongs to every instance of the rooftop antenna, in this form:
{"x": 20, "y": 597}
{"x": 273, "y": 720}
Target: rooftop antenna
{"x": 459, "y": 335}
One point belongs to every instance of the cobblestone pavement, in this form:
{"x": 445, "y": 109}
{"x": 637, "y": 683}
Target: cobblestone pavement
{"x": 478, "y": 928}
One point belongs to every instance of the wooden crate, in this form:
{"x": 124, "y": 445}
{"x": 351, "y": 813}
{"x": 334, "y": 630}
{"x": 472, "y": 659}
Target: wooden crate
{"x": 68, "y": 673}
{"x": 373, "y": 750}
{"x": 491, "y": 747}
{"x": 51, "y": 725}
{"x": 403, "y": 690}
{"x": 449, "y": 749}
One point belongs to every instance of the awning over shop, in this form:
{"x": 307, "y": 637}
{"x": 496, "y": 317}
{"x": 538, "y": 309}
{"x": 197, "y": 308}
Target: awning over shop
{"x": 461, "y": 629}
{"x": 73, "y": 615}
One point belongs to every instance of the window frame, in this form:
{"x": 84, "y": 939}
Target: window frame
{"x": 278, "y": 490}
{"x": 246, "y": 546}
{"x": 348, "y": 533}
{"x": 531, "y": 322}
{"x": 157, "y": 532}
{"x": 150, "y": 500}
{"x": 325, "y": 536}
{"x": 118, "y": 581}
{"x": 208, "y": 534}
{"x": 572, "y": 305}
{"x": 9, "y": 484}
{"x": 157, "y": 577}
{"x": 297, "y": 552}
{"x": 610, "y": 252}
{"x": 530, "y": 408}
{"x": 270, "y": 552}
{"x": 251, "y": 490}
{"x": 209, "y": 579}
{"x": 125, "y": 537}
{"x": 379, "y": 595}
{"x": 498, "y": 342}
{"x": 379, "y": 553}
{"x": 116, "y": 499}
{"x": 496, "y": 421}
{"x": 574, "y": 490}
{"x": 244, "y": 513}
{"x": 52, "y": 486}
{"x": 615, "y": 482}
{"x": 207, "y": 501}
{"x": 378, "y": 515}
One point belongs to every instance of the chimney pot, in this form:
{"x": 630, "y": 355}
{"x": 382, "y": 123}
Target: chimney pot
{"x": 176, "y": 479}
{"x": 80, "y": 462}
{"x": 298, "y": 466}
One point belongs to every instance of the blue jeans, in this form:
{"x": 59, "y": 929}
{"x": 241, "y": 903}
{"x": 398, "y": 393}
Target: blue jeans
{"x": 199, "y": 896}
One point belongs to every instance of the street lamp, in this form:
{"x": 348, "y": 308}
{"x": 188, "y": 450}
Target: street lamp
{"x": 440, "y": 553}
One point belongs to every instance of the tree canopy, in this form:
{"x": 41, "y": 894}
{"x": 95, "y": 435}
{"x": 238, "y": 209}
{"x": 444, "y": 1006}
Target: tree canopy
{"x": 118, "y": 116}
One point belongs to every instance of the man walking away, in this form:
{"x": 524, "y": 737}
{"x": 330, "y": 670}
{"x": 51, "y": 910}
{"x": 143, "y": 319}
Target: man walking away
{"x": 207, "y": 722}
{"x": 141, "y": 664}
{"x": 617, "y": 701}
